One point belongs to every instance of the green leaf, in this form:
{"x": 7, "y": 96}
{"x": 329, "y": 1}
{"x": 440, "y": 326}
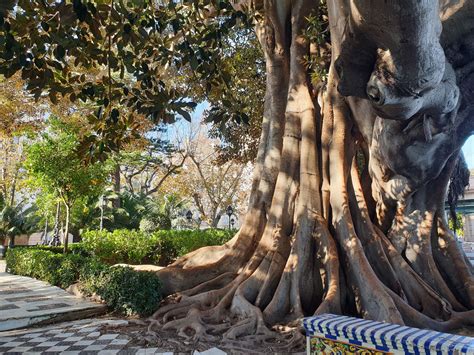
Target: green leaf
{"x": 60, "y": 52}
{"x": 114, "y": 115}
{"x": 6, "y": 6}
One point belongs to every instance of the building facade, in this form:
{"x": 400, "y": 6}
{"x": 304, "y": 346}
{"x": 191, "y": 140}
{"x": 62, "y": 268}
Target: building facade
{"x": 466, "y": 207}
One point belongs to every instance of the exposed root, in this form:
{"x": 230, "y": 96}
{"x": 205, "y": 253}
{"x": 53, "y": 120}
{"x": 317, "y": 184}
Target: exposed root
{"x": 218, "y": 282}
{"x": 456, "y": 270}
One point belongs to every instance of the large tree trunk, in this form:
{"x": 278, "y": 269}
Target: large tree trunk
{"x": 323, "y": 233}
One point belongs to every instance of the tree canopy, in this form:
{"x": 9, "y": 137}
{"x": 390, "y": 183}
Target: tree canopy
{"x": 134, "y": 49}
{"x": 56, "y": 170}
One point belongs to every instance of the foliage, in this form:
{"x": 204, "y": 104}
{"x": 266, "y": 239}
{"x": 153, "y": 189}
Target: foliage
{"x": 317, "y": 32}
{"x": 14, "y": 220}
{"x": 57, "y": 269}
{"x": 125, "y": 290}
{"x": 175, "y": 244}
{"x": 13, "y": 142}
{"x": 459, "y": 224}
{"x": 145, "y": 168}
{"x": 136, "y": 211}
{"x": 128, "y": 216}
{"x": 134, "y": 247}
{"x": 74, "y": 248}
{"x": 54, "y": 166}
{"x": 137, "y": 46}
{"x": 236, "y": 110}
{"x": 121, "y": 246}
{"x": 19, "y": 111}
{"x": 161, "y": 212}
{"x": 122, "y": 289}
{"x": 457, "y": 183}
{"x": 56, "y": 170}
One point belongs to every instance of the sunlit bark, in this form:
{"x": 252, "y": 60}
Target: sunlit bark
{"x": 323, "y": 234}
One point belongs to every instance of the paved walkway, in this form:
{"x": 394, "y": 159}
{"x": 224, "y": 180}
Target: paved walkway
{"x": 79, "y": 337}
{"x": 88, "y": 336}
{"x": 25, "y": 301}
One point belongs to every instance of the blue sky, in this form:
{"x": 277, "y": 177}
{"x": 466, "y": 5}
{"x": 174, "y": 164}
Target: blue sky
{"x": 468, "y": 150}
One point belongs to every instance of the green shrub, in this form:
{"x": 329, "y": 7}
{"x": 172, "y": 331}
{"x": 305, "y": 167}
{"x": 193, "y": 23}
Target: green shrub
{"x": 175, "y": 244}
{"x": 90, "y": 275}
{"x": 57, "y": 269}
{"x": 74, "y": 248}
{"x": 161, "y": 247}
{"x": 122, "y": 289}
{"x": 126, "y": 291}
{"x": 121, "y": 246}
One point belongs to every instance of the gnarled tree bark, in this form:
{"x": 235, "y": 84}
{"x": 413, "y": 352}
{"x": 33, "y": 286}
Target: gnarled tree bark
{"x": 323, "y": 233}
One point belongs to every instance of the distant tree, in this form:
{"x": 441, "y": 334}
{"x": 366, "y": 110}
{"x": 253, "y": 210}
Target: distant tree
{"x": 14, "y": 220}
{"x": 162, "y": 211}
{"x": 144, "y": 169}
{"x": 457, "y": 226}
{"x": 458, "y": 181}
{"x": 212, "y": 186}
{"x": 54, "y": 168}
{"x": 18, "y": 109}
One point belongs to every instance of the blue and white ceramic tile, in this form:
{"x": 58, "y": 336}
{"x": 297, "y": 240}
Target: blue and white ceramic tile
{"x": 386, "y": 337}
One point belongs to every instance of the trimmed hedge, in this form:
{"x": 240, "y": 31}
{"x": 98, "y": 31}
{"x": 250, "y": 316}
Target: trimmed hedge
{"x": 174, "y": 243}
{"x": 57, "y": 269}
{"x": 162, "y": 247}
{"x": 121, "y": 246}
{"x": 123, "y": 289}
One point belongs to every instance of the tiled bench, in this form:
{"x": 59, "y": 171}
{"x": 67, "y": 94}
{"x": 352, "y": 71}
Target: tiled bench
{"x": 333, "y": 334}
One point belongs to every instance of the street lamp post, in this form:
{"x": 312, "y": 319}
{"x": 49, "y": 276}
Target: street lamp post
{"x": 189, "y": 216}
{"x": 229, "y": 211}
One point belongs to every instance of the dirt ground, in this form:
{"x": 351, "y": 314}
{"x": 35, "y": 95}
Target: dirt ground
{"x": 284, "y": 342}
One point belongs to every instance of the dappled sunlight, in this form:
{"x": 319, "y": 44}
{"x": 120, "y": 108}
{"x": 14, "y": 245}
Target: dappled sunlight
{"x": 361, "y": 109}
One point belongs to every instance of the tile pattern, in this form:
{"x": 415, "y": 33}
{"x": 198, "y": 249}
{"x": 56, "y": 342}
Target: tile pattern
{"x": 386, "y": 337}
{"x": 25, "y": 301}
{"x": 79, "y": 337}
{"x": 328, "y": 346}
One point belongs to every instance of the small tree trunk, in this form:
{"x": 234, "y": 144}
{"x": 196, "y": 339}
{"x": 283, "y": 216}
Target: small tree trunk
{"x": 101, "y": 225}
{"x": 66, "y": 228}
{"x": 55, "y": 239}
{"x": 117, "y": 186}
{"x": 45, "y": 232}
{"x": 14, "y": 180}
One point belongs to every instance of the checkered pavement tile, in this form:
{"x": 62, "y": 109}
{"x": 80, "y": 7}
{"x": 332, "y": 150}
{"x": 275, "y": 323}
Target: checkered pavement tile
{"x": 74, "y": 338}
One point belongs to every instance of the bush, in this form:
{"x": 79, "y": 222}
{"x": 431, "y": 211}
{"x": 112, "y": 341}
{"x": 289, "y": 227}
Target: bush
{"x": 124, "y": 290}
{"x": 73, "y": 248}
{"x": 175, "y": 244}
{"x": 121, "y": 288}
{"x": 57, "y": 269}
{"x": 90, "y": 274}
{"x": 162, "y": 247}
{"x": 121, "y": 246}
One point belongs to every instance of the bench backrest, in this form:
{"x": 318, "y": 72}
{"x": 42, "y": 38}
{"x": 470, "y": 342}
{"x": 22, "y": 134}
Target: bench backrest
{"x": 354, "y": 335}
